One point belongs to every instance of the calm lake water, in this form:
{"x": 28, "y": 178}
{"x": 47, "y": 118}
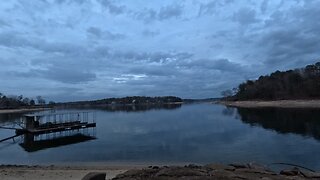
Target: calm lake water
{"x": 196, "y": 133}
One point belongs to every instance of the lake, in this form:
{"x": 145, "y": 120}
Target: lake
{"x": 180, "y": 134}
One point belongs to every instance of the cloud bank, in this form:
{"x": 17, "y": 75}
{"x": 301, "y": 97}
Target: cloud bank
{"x": 74, "y": 50}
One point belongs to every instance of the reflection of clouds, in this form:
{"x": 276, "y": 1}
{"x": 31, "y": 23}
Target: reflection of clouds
{"x": 229, "y": 111}
{"x": 195, "y": 133}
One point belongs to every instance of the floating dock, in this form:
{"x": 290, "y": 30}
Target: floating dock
{"x": 56, "y": 122}
{"x": 49, "y": 130}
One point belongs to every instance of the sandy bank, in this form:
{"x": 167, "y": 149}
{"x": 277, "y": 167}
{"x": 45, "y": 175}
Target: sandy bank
{"x": 4, "y": 111}
{"x": 279, "y": 104}
{"x": 13, "y": 172}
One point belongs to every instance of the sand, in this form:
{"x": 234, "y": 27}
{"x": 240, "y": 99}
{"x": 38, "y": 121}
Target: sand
{"x": 211, "y": 171}
{"x": 279, "y": 104}
{"x": 13, "y": 172}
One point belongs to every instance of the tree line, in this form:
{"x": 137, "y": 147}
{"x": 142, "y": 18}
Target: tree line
{"x": 10, "y": 102}
{"x": 130, "y": 100}
{"x": 13, "y": 101}
{"x": 303, "y": 83}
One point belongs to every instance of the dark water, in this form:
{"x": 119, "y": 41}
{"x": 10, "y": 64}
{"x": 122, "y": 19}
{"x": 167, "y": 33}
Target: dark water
{"x": 198, "y": 133}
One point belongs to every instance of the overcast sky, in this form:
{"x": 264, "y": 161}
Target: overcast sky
{"x": 89, "y": 49}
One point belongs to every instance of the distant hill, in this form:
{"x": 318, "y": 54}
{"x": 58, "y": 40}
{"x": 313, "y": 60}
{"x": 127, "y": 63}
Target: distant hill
{"x": 132, "y": 100}
{"x": 301, "y": 83}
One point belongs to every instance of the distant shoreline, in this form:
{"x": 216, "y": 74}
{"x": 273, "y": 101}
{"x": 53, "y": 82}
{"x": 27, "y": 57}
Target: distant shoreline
{"x": 4, "y": 111}
{"x": 277, "y": 103}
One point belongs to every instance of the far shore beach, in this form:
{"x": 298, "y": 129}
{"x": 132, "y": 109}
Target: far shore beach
{"x": 22, "y": 110}
{"x": 278, "y": 104}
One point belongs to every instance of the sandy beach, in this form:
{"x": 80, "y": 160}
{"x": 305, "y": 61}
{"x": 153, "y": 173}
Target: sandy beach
{"x": 15, "y": 172}
{"x": 278, "y": 104}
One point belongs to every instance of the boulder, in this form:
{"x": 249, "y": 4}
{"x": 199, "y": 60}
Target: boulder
{"x": 95, "y": 176}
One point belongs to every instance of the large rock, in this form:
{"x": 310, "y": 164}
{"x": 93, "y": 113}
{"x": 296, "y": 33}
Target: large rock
{"x": 95, "y": 176}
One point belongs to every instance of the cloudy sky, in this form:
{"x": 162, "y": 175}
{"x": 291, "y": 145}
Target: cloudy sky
{"x": 89, "y": 49}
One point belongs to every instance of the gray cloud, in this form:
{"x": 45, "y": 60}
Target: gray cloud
{"x": 98, "y": 33}
{"x": 15, "y": 40}
{"x": 264, "y": 6}
{"x": 164, "y": 13}
{"x": 158, "y": 57}
{"x": 112, "y": 7}
{"x": 168, "y": 12}
{"x": 61, "y": 74}
{"x": 223, "y": 65}
{"x": 149, "y": 33}
{"x": 192, "y": 49}
{"x": 3, "y": 23}
{"x": 293, "y": 39}
{"x": 245, "y": 16}
{"x": 212, "y": 7}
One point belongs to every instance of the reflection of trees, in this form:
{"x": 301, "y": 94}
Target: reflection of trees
{"x": 4, "y": 118}
{"x": 136, "y": 108}
{"x": 299, "y": 121}
{"x": 229, "y": 111}
{"x": 128, "y": 107}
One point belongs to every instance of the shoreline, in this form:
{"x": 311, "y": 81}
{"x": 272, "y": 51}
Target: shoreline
{"x": 53, "y": 172}
{"x": 276, "y": 103}
{"x": 210, "y": 171}
{"x": 23, "y": 110}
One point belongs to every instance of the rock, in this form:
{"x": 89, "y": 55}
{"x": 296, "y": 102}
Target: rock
{"x": 310, "y": 174}
{"x": 144, "y": 173}
{"x": 256, "y": 166}
{"x": 238, "y": 165}
{"x": 220, "y": 167}
{"x": 266, "y": 178}
{"x": 214, "y": 171}
{"x": 95, "y": 176}
{"x": 193, "y": 166}
{"x": 292, "y": 172}
{"x": 180, "y": 172}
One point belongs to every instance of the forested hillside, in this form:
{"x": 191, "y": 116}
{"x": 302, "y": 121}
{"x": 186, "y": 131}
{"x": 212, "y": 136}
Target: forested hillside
{"x": 301, "y": 83}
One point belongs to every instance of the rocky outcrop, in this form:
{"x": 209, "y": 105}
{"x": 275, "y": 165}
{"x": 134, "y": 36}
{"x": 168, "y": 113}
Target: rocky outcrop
{"x": 249, "y": 171}
{"x": 95, "y": 176}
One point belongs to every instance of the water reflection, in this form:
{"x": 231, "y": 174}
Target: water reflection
{"x": 8, "y": 118}
{"x": 31, "y": 144}
{"x": 304, "y": 122}
{"x": 131, "y": 108}
{"x": 141, "y": 108}
{"x": 50, "y": 130}
{"x": 195, "y": 133}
